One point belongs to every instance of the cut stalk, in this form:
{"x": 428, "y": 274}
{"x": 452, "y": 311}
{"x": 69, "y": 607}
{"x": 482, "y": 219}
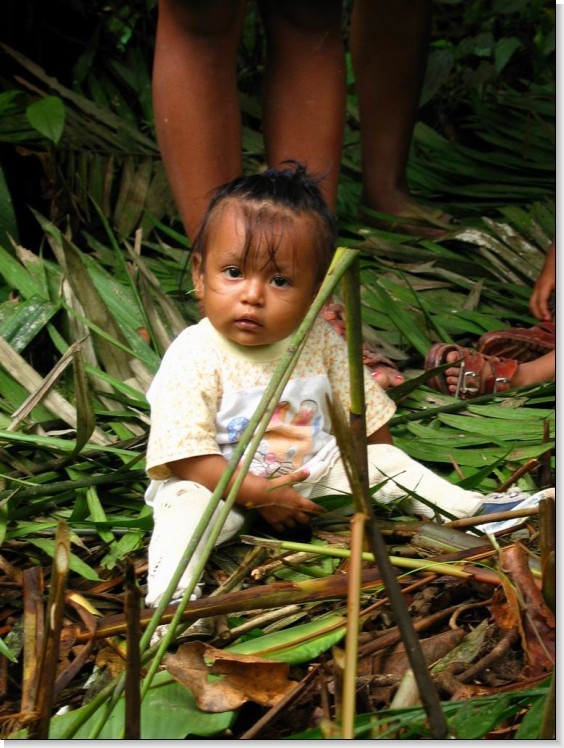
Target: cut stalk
{"x": 39, "y": 729}
{"x": 353, "y": 619}
{"x": 427, "y": 690}
{"x": 357, "y": 471}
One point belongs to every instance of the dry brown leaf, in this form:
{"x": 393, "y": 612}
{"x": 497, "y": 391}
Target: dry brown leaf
{"x": 539, "y": 625}
{"x": 221, "y": 681}
{"x": 108, "y": 659}
{"x": 395, "y": 660}
{"x": 434, "y": 648}
{"x": 506, "y": 609}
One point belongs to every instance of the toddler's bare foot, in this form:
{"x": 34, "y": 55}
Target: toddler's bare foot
{"x": 384, "y": 371}
{"x": 386, "y": 377}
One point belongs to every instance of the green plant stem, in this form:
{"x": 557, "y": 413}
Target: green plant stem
{"x": 358, "y": 467}
{"x": 357, "y": 418}
{"x": 416, "y": 564}
{"x": 427, "y": 690}
{"x": 353, "y": 619}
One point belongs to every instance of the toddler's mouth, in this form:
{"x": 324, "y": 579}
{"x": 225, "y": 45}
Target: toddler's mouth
{"x": 248, "y": 323}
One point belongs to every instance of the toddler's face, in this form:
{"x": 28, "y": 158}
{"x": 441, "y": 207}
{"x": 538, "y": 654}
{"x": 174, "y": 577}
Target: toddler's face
{"x": 260, "y": 299}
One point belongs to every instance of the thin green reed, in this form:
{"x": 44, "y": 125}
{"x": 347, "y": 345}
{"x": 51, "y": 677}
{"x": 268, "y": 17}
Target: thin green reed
{"x": 365, "y": 512}
{"x": 357, "y": 470}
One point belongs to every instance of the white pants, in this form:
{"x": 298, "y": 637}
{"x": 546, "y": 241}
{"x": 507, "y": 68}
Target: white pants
{"x": 179, "y": 505}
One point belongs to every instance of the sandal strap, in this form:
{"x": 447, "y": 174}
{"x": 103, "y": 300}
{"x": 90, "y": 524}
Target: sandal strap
{"x": 469, "y": 383}
{"x": 499, "y": 380}
{"x": 521, "y": 343}
{"x": 503, "y": 371}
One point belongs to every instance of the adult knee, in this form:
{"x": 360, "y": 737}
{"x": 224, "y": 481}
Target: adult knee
{"x": 304, "y": 16}
{"x": 206, "y": 19}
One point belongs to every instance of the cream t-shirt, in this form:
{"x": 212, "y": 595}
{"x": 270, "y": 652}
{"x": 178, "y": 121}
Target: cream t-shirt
{"x": 207, "y": 389}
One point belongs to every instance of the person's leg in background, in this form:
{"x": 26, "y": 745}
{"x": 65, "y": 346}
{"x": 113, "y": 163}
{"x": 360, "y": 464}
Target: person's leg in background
{"x": 196, "y": 100}
{"x": 389, "y": 42}
{"x": 305, "y": 94}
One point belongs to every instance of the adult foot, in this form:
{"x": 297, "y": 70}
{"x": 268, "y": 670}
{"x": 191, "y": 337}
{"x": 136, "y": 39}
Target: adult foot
{"x": 472, "y": 373}
{"x": 402, "y": 214}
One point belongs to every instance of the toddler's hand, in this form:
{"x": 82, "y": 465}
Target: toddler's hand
{"x": 283, "y": 506}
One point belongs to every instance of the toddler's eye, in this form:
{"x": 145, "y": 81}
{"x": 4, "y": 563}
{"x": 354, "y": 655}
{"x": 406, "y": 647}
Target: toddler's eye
{"x": 232, "y": 272}
{"x": 279, "y": 281}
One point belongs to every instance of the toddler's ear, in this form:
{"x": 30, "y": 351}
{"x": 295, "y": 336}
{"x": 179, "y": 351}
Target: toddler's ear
{"x": 198, "y": 275}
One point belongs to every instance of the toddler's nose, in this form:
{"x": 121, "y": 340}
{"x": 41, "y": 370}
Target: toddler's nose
{"x": 254, "y": 291}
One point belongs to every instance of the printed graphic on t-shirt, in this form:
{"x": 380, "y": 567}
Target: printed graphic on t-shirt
{"x": 298, "y": 428}
{"x": 288, "y": 441}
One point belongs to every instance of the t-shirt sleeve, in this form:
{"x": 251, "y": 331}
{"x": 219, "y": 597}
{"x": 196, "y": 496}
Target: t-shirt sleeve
{"x": 183, "y": 398}
{"x": 379, "y": 406}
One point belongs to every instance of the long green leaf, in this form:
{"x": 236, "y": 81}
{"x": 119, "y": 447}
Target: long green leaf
{"x": 76, "y": 564}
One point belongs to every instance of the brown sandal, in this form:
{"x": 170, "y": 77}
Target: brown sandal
{"x": 470, "y": 383}
{"x": 523, "y": 344}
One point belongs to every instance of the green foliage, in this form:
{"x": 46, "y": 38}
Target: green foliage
{"x": 482, "y": 45}
{"x": 168, "y": 713}
{"x": 483, "y": 148}
{"x": 299, "y": 644}
{"x": 472, "y": 719}
{"x": 47, "y": 116}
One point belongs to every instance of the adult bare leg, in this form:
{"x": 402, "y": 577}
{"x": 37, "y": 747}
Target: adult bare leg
{"x": 196, "y": 102}
{"x": 304, "y": 103}
{"x": 389, "y": 45}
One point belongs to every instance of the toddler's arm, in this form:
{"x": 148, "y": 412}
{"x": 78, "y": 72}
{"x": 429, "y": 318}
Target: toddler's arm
{"x": 279, "y": 503}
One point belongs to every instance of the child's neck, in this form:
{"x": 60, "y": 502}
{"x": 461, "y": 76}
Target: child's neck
{"x": 258, "y": 353}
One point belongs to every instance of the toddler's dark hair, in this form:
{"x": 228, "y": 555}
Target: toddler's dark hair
{"x": 271, "y": 199}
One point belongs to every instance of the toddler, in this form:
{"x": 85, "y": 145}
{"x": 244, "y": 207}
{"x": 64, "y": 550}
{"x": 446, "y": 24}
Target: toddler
{"x": 260, "y": 256}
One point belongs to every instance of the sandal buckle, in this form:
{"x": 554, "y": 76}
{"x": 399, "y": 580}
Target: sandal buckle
{"x": 464, "y": 386}
{"x": 499, "y": 381}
